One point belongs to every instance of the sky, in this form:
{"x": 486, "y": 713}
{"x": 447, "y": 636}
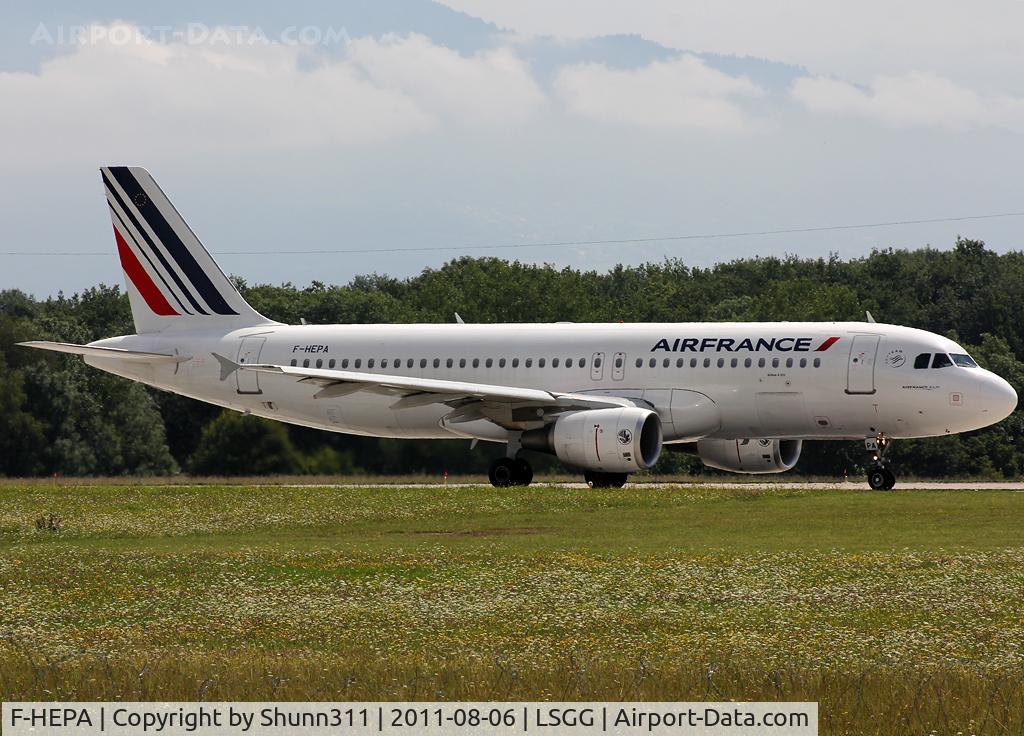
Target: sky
{"x": 455, "y": 127}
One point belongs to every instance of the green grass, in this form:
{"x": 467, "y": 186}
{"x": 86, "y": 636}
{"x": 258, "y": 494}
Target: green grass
{"x": 905, "y": 608}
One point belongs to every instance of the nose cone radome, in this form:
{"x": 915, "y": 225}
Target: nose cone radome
{"x": 999, "y": 398}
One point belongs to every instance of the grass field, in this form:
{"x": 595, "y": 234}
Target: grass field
{"x": 900, "y": 612}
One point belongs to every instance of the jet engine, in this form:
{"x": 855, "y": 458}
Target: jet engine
{"x": 619, "y": 440}
{"x": 750, "y": 456}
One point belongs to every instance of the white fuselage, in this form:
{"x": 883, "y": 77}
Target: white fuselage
{"x": 746, "y": 380}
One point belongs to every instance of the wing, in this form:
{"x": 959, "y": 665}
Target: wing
{"x": 100, "y": 352}
{"x": 511, "y": 407}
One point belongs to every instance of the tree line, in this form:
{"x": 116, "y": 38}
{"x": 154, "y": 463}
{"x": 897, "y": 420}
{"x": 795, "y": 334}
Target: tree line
{"x": 58, "y": 415}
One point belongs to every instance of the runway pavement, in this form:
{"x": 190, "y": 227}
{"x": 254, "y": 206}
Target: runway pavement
{"x": 839, "y": 485}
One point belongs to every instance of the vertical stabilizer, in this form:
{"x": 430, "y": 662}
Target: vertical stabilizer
{"x": 173, "y": 281}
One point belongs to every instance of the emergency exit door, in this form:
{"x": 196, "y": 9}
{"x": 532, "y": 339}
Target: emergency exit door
{"x": 249, "y": 353}
{"x": 860, "y": 372}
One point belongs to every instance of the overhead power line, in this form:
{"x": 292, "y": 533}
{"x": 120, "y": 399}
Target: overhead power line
{"x": 559, "y": 243}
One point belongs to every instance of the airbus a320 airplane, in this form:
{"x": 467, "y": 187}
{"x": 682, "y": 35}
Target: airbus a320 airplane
{"x": 603, "y": 398}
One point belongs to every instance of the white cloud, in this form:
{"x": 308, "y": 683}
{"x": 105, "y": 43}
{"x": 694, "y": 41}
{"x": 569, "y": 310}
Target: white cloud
{"x": 909, "y": 100}
{"x": 681, "y": 93}
{"x": 494, "y": 86}
{"x": 132, "y": 100}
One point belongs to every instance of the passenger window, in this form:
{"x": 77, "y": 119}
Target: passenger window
{"x": 665, "y": 363}
{"x": 653, "y": 362}
{"x": 817, "y": 362}
{"x": 384, "y": 363}
{"x": 359, "y": 362}
{"x": 721, "y": 362}
{"x": 803, "y": 362}
{"x": 541, "y": 362}
{"x": 462, "y": 362}
{"x": 369, "y": 363}
{"x": 693, "y": 362}
{"x": 554, "y": 362}
{"x": 707, "y": 362}
{"x": 423, "y": 362}
{"x": 597, "y": 363}
{"x": 344, "y": 363}
{"x": 639, "y": 362}
{"x": 921, "y": 361}
{"x": 437, "y": 362}
{"x": 529, "y": 362}
{"x": 618, "y": 362}
{"x": 734, "y": 362}
{"x": 476, "y": 362}
{"x": 501, "y": 363}
{"x": 747, "y": 362}
{"x": 789, "y": 362}
{"x": 331, "y": 364}
{"x": 398, "y": 362}
{"x": 679, "y": 362}
{"x": 490, "y": 362}
{"x": 583, "y": 363}
{"x": 305, "y": 363}
{"x": 941, "y": 360}
{"x": 449, "y": 363}
{"x": 319, "y": 362}
{"x": 408, "y": 363}
{"x": 294, "y": 362}
{"x": 775, "y": 362}
{"x": 515, "y": 362}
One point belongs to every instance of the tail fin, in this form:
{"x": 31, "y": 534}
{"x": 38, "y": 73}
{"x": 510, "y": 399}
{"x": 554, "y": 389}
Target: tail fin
{"x": 173, "y": 281}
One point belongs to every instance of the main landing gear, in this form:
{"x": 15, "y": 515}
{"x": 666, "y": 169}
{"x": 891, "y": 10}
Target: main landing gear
{"x": 880, "y": 474}
{"x": 595, "y": 479}
{"x": 509, "y": 471}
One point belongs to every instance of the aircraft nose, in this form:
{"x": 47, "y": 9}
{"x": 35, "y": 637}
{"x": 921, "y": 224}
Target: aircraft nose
{"x": 999, "y": 397}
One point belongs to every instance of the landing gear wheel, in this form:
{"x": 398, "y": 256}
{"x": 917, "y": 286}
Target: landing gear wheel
{"x": 506, "y": 472}
{"x": 502, "y": 472}
{"x": 605, "y": 480}
{"x": 881, "y": 478}
{"x": 524, "y": 472}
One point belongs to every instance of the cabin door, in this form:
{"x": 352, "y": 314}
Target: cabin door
{"x": 249, "y": 353}
{"x": 860, "y": 372}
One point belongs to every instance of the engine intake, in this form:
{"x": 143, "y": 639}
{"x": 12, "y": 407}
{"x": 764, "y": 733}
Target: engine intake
{"x": 607, "y": 440}
{"x": 750, "y": 456}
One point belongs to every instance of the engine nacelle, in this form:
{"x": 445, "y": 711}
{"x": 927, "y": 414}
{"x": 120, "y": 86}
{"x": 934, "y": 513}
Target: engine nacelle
{"x": 621, "y": 440}
{"x": 750, "y": 456}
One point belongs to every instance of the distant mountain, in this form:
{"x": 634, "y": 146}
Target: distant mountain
{"x": 445, "y": 26}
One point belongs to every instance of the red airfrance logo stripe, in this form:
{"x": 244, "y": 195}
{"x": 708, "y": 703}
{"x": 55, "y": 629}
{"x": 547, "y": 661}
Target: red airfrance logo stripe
{"x": 827, "y": 344}
{"x": 138, "y": 276}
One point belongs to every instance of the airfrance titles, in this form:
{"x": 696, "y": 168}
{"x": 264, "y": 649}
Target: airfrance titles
{"x": 745, "y": 344}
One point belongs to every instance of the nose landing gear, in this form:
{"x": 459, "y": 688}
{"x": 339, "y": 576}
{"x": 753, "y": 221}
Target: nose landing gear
{"x": 880, "y": 474}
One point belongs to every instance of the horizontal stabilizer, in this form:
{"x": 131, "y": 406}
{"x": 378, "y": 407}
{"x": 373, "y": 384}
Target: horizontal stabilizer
{"x": 111, "y": 353}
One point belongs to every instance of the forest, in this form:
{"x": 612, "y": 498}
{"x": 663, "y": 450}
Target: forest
{"x": 58, "y": 416}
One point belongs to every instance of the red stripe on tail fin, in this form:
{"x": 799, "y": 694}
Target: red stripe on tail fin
{"x": 138, "y": 276}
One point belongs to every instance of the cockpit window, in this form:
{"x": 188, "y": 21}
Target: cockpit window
{"x": 941, "y": 360}
{"x": 921, "y": 361}
{"x": 963, "y": 360}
